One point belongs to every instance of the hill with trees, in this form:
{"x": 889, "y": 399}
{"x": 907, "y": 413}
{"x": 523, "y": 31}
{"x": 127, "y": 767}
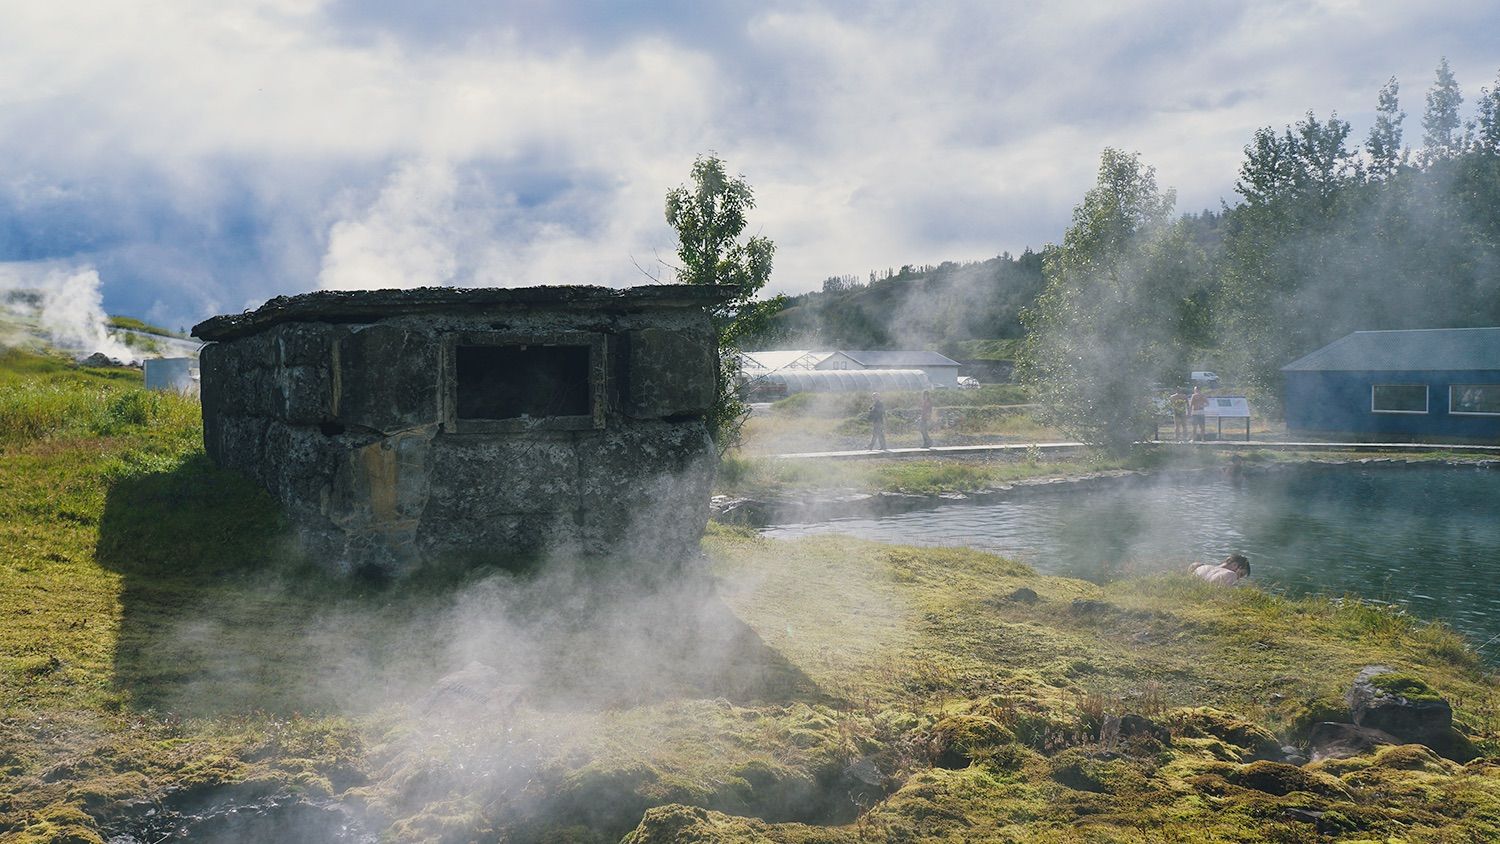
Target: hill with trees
{"x": 939, "y": 307}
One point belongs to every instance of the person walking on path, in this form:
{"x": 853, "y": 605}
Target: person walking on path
{"x": 924, "y": 419}
{"x": 877, "y": 423}
{"x": 1197, "y": 402}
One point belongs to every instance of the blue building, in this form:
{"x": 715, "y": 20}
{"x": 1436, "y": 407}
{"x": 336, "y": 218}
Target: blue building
{"x": 1435, "y": 385}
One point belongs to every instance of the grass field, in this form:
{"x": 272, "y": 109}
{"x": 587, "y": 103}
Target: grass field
{"x": 163, "y": 639}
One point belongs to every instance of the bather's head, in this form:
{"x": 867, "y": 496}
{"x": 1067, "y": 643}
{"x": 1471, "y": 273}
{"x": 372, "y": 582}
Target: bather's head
{"x": 1237, "y": 563}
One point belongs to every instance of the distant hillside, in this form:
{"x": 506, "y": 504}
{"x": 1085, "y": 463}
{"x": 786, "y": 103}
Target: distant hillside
{"x": 942, "y": 308}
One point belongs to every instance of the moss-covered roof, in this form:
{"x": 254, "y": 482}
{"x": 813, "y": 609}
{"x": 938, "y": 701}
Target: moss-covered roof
{"x": 366, "y": 305}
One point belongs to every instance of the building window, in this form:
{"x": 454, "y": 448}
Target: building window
{"x": 1398, "y": 398}
{"x": 509, "y": 382}
{"x": 1474, "y": 399}
{"x": 499, "y": 382}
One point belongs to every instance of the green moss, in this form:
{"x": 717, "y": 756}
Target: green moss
{"x": 58, "y": 824}
{"x": 1232, "y": 738}
{"x": 1405, "y": 685}
{"x": 959, "y": 740}
{"x": 1311, "y": 713}
{"x": 1413, "y": 757}
{"x": 1281, "y": 779}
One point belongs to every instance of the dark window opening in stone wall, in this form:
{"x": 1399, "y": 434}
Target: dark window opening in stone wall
{"x": 508, "y": 382}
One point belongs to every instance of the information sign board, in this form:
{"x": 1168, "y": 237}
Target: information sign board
{"x": 1227, "y": 407}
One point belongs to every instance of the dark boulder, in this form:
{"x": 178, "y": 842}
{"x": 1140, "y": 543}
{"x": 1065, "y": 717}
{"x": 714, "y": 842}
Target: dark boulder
{"x": 99, "y": 359}
{"x": 1329, "y": 740}
{"x": 1023, "y": 595}
{"x": 1404, "y": 706}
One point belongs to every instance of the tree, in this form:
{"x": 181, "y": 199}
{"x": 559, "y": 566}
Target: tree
{"x": 1120, "y": 306}
{"x": 1384, "y": 143}
{"x": 1440, "y": 122}
{"x": 709, "y": 216}
{"x": 1488, "y": 141}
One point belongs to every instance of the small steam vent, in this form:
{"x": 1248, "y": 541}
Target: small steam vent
{"x": 400, "y": 427}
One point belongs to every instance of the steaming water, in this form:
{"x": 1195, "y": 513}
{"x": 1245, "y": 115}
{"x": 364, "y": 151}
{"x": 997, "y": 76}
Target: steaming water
{"x": 1426, "y": 537}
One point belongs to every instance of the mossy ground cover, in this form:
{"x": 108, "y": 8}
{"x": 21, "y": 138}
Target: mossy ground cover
{"x": 162, "y": 639}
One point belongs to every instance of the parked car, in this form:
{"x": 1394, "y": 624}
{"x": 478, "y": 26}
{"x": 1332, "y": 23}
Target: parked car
{"x": 1205, "y": 379}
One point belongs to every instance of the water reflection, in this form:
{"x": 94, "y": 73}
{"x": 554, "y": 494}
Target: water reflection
{"x": 1427, "y": 537}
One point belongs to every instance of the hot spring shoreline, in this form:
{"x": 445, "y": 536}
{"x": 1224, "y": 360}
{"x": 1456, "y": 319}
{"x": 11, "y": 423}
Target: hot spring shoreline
{"x": 788, "y": 506}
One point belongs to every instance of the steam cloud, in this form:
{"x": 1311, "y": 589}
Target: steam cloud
{"x": 64, "y": 303}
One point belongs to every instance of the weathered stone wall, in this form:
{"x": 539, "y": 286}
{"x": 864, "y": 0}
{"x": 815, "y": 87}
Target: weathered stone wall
{"x": 350, "y": 423}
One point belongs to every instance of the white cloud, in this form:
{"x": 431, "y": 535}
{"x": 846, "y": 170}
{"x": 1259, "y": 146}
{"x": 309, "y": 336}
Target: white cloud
{"x": 291, "y": 143}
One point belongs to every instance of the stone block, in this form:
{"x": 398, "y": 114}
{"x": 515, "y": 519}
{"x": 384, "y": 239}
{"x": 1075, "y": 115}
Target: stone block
{"x": 306, "y": 343}
{"x": 503, "y": 539}
{"x": 306, "y": 393}
{"x": 645, "y": 488}
{"x": 242, "y": 444}
{"x": 387, "y": 379}
{"x": 477, "y": 478}
{"x": 383, "y": 485}
{"x": 264, "y": 395}
{"x": 669, "y": 372}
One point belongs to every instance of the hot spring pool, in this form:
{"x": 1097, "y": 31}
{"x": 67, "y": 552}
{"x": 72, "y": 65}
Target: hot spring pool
{"x": 1425, "y": 537}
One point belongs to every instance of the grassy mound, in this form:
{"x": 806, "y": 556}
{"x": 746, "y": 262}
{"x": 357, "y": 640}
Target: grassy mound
{"x": 164, "y": 647}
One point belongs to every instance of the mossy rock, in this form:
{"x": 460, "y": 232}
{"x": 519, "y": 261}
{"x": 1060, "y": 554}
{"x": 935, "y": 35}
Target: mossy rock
{"x": 1315, "y": 712}
{"x": 1413, "y": 757}
{"x": 1244, "y": 741}
{"x": 59, "y": 825}
{"x": 677, "y": 824}
{"x": 1405, "y": 685}
{"x": 1281, "y": 779}
{"x": 960, "y": 740}
{"x": 104, "y": 798}
{"x": 1081, "y": 771}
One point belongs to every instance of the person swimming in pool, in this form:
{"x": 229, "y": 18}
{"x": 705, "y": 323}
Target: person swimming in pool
{"x": 1232, "y": 570}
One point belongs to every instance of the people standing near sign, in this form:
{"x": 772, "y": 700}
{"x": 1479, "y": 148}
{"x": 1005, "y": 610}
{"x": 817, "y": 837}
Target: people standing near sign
{"x": 924, "y": 419}
{"x": 877, "y": 422}
{"x": 1178, "y": 402}
{"x": 1197, "y": 403}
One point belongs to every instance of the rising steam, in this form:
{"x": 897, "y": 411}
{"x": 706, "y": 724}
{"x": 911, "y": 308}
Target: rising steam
{"x": 63, "y": 305}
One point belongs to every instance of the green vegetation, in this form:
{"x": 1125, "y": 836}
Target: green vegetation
{"x": 937, "y": 307}
{"x": 709, "y": 219}
{"x": 1120, "y": 311}
{"x": 988, "y": 349}
{"x": 133, "y": 324}
{"x": 48, "y": 397}
{"x": 162, "y": 639}
{"x": 1402, "y": 685}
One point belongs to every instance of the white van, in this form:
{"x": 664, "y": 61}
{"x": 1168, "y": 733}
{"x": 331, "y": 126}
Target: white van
{"x": 1204, "y": 379}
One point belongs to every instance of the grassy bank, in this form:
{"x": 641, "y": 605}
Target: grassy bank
{"x": 163, "y": 643}
{"x": 757, "y": 476}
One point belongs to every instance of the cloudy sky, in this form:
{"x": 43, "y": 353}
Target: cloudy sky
{"x": 203, "y": 156}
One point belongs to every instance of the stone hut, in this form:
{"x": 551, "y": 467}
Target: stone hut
{"x": 407, "y": 426}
